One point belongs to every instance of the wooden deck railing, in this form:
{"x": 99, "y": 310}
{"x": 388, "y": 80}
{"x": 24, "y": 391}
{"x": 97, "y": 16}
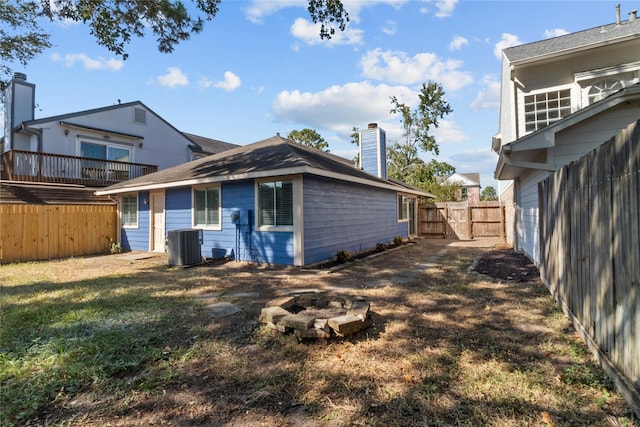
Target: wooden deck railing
{"x": 31, "y": 166}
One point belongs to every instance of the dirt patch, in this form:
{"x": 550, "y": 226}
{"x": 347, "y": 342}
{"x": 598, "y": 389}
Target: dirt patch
{"x": 505, "y": 264}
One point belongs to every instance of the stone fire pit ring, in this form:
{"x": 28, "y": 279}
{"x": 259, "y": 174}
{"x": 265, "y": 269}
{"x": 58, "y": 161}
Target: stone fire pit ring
{"x": 317, "y": 315}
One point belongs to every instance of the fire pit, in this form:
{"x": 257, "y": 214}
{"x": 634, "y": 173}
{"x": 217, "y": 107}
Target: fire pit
{"x": 317, "y": 315}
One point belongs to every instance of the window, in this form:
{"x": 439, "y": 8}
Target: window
{"x": 464, "y": 193}
{"x": 403, "y": 208}
{"x": 602, "y": 89}
{"x": 130, "y": 211}
{"x": 275, "y": 204}
{"x": 206, "y": 207}
{"x": 97, "y": 155}
{"x": 542, "y": 109}
{"x": 105, "y": 152}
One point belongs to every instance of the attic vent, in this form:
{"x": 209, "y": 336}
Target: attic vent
{"x": 140, "y": 116}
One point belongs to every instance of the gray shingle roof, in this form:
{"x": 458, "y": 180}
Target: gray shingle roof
{"x": 579, "y": 40}
{"x": 208, "y": 145}
{"x": 269, "y": 157}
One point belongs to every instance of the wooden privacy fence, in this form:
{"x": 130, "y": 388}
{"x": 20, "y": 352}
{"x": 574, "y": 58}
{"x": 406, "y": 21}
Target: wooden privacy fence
{"x": 462, "y": 220}
{"x": 590, "y": 253}
{"x": 36, "y": 232}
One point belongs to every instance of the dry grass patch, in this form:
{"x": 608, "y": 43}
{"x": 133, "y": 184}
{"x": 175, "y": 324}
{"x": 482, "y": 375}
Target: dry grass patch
{"x": 106, "y": 341}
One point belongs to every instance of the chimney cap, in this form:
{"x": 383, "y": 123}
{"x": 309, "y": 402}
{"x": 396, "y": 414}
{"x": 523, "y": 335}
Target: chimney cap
{"x": 20, "y": 76}
{"x": 372, "y": 125}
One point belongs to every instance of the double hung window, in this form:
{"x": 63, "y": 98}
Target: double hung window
{"x": 206, "y": 207}
{"x": 275, "y": 204}
{"x": 403, "y": 208}
{"x": 129, "y": 209}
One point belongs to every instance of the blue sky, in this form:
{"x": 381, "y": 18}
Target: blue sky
{"x": 259, "y": 68}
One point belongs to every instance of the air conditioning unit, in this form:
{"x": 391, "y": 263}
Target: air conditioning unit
{"x": 183, "y": 247}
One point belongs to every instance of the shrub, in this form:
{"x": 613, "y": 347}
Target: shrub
{"x": 343, "y": 256}
{"x": 380, "y": 247}
{"x": 397, "y": 240}
{"x": 113, "y": 247}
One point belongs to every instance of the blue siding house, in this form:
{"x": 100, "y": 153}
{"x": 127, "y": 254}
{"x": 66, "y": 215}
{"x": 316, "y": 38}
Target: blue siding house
{"x": 274, "y": 201}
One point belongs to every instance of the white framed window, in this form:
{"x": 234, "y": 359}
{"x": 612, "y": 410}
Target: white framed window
{"x": 275, "y": 204}
{"x": 103, "y": 151}
{"x": 403, "y": 208}
{"x": 602, "y": 89}
{"x": 542, "y": 109}
{"x": 207, "y": 207}
{"x": 100, "y": 159}
{"x": 464, "y": 193}
{"x": 129, "y": 211}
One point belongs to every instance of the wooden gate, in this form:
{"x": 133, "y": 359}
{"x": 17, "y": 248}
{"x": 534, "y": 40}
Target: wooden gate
{"x": 462, "y": 220}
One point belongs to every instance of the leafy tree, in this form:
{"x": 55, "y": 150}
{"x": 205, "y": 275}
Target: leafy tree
{"x": 21, "y": 39}
{"x": 403, "y": 157}
{"x": 309, "y": 137}
{"x": 115, "y": 23}
{"x": 355, "y": 139}
{"x": 445, "y": 192}
{"x": 489, "y": 193}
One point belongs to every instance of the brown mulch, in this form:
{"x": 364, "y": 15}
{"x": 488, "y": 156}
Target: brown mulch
{"x": 505, "y": 264}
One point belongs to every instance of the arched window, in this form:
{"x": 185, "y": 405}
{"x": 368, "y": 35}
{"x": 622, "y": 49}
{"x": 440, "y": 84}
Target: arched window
{"x": 602, "y": 89}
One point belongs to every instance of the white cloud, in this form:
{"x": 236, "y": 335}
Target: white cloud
{"x": 390, "y": 27}
{"x": 447, "y": 132}
{"x": 309, "y": 33}
{"x": 554, "y": 33}
{"x": 341, "y": 107}
{"x": 230, "y": 83}
{"x": 88, "y": 63}
{"x": 258, "y": 9}
{"x": 458, "y": 42}
{"x": 489, "y": 97}
{"x": 445, "y": 8}
{"x": 507, "y": 40}
{"x": 398, "y": 67}
{"x": 174, "y": 77}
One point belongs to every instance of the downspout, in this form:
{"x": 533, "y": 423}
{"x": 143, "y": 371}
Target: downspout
{"x": 118, "y": 219}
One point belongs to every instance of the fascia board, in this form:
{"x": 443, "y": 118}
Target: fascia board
{"x": 257, "y": 175}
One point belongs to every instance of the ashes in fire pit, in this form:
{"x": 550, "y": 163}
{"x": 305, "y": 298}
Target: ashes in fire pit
{"x": 317, "y": 315}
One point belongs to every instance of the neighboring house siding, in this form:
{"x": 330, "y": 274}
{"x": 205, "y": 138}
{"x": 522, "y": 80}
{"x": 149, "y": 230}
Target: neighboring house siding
{"x": 344, "y": 216}
{"x": 574, "y": 142}
{"x": 571, "y": 144}
{"x": 160, "y": 145}
{"x": 137, "y": 239}
{"x": 527, "y": 222}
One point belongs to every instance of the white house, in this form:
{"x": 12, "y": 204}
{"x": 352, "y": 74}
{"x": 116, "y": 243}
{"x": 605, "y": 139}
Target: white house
{"x": 561, "y": 98}
{"x": 96, "y": 147}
